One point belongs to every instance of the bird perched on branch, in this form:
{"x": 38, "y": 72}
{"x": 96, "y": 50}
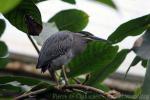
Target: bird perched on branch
{"x": 60, "y": 48}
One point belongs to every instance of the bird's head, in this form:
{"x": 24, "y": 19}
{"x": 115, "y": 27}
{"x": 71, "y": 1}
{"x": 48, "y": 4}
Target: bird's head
{"x": 89, "y": 36}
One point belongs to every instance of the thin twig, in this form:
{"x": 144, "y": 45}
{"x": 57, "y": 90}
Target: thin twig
{"x": 86, "y": 79}
{"x": 77, "y": 81}
{"x": 71, "y": 87}
{"x": 35, "y": 46}
{"x": 30, "y": 94}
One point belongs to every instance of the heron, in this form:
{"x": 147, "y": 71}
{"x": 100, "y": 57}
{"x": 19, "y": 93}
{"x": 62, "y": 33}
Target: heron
{"x": 60, "y": 48}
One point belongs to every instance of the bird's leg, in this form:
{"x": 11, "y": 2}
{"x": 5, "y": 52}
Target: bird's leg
{"x": 53, "y": 76}
{"x": 64, "y": 75}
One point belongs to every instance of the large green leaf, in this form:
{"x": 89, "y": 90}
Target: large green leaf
{"x": 7, "y": 5}
{"x": 131, "y": 28}
{"x": 104, "y": 71}
{"x": 70, "y": 1}
{"x": 3, "y": 49}
{"x": 108, "y": 2}
{"x": 38, "y": 1}
{"x": 73, "y": 20}
{"x": 96, "y": 55}
{"x": 26, "y": 17}
{"x": 14, "y": 87}
{"x": 23, "y": 80}
{"x": 2, "y": 26}
{"x": 7, "y": 88}
{"x": 3, "y": 54}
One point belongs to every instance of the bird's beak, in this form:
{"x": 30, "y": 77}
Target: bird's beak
{"x": 99, "y": 39}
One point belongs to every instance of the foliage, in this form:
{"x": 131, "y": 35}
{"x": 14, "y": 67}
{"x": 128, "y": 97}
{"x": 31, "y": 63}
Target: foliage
{"x": 17, "y": 17}
{"x": 7, "y": 5}
{"x": 99, "y": 59}
{"x": 108, "y": 2}
{"x": 131, "y": 28}
{"x": 73, "y": 20}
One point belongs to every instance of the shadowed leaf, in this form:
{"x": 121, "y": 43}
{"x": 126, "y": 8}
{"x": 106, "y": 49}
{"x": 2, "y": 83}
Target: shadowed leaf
{"x": 26, "y": 17}
{"x": 3, "y": 49}
{"x": 23, "y": 80}
{"x": 2, "y": 26}
{"x": 70, "y": 1}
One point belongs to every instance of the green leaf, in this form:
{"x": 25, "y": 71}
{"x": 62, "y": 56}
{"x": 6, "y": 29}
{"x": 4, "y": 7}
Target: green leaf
{"x": 38, "y": 1}
{"x": 72, "y": 19}
{"x": 104, "y": 71}
{"x": 108, "y": 2}
{"x": 3, "y": 54}
{"x": 41, "y": 85}
{"x": 26, "y": 17}
{"x": 96, "y": 55}
{"x": 144, "y": 63}
{"x": 15, "y": 86}
{"x": 23, "y": 80}
{"x": 2, "y": 26}
{"x": 7, "y": 5}
{"x": 131, "y": 28}
{"x": 9, "y": 88}
{"x": 135, "y": 61}
{"x": 3, "y": 49}
{"x": 70, "y": 1}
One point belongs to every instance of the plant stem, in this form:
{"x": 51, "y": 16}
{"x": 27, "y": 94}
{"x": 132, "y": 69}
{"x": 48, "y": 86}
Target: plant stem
{"x": 35, "y": 46}
{"x": 145, "y": 95}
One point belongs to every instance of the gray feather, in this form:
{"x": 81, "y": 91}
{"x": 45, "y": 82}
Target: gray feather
{"x": 55, "y": 47}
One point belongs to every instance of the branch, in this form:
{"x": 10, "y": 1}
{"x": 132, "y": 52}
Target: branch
{"x": 89, "y": 88}
{"x": 30, "y": 94}
{"x": 35, "y": 46}
{"x": 79, "y": 87}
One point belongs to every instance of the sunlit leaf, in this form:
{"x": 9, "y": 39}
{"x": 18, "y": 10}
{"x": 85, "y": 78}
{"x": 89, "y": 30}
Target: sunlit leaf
{"x": 104, "y": 71}
{"x": 96, "y": 55}
{"x": 7, "y": 5}
{"x": 131, "y": 28}
{"x": 72, "y": 19}
{"x": 26, "y": 17}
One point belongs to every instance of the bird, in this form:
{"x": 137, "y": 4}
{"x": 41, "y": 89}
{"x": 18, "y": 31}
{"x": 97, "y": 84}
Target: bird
{"x": 60, "y": 48}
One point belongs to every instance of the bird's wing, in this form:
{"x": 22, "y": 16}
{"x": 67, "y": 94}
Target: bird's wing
{"x": 55, "y": 46}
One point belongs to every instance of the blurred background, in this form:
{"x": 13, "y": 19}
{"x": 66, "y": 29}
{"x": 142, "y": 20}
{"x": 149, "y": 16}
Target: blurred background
{"x": 103, "y": 20}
